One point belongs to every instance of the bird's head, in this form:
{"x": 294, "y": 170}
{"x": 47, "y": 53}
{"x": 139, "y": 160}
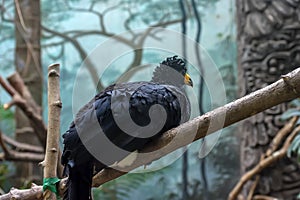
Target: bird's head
{"x": 172, "y": 71}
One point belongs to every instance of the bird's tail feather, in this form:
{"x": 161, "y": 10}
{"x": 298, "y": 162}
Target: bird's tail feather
{"x": 79, "y": 182}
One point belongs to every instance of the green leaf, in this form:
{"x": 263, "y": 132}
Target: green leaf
{"x": 50, "y": 184}
{"x": 6, "y": 114}
{"x": 220, "y": 35}
{"x": 295, "y": 102}
{"x": 295, "y": 147}
{"x": 290, "y": 113}
{"x": 298, "y": 122}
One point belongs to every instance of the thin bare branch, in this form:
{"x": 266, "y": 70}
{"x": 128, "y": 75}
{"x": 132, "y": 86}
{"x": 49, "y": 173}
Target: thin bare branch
{"x": 253, "y": 187}
{"x": 264, "y": 197}
{"x": 10, "y": 90}
{"x": 19, "y": 146}
{"x": 3, "y": 12}
{"x": 3, "y": 145}
{"x": 82, "y": 53}
{"x": 21, "y": 156}
{"x": 283, "y": 132}
{"x": 27, "y": 105}
{"x": 276, "y": 141}
{"x": 264, "y": 163}
{"x": 20, "y": 15}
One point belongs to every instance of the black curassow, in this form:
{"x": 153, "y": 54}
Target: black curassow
{"x": 115, "y": 110}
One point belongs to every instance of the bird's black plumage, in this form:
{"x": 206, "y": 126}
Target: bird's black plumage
{"x": 129, "y": 115}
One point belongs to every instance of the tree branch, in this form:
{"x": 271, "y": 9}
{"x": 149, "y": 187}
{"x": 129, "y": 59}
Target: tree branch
{"x": 23, "y": 147}
{"x": 3, "y": 145}
{"x": 34, "y": 193}
{"x": 264, "y": 197}
{"x": 10, "y": 90}
{"x": 12, "y": 155}
{"x": 264, "y": 163}
{"x": 26, "y": 103}
{"x": 283, "y": 132}
{"x": 233, "y": 112}
{"x": 18, "y": 84}
{"x": 54, "y": 109}
{"x": 276, "y": 141}
{"x": 32, "y": 111}
{"x": 81, "y": 51}
{"x": 21, "y": 156}
{"x": 253, "y": 187}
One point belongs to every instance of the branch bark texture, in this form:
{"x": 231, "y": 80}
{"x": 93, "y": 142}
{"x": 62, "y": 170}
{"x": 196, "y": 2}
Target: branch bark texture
{"x": 54, "y": 108}
{"x": 269, "y": 157}
{"x": 281, "y": 91}
{"x": 16, "y": 89}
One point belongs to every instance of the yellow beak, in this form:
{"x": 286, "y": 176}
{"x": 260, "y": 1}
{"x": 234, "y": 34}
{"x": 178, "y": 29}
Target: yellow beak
{"x": 188, "y": 80}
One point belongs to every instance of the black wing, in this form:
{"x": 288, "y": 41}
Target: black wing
{"x": 134, "y": 99}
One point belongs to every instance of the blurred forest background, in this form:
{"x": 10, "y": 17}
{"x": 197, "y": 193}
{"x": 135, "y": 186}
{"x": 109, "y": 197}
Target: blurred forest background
{"x": 36, "y": 33}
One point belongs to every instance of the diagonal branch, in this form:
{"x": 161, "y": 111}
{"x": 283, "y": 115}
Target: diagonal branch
{"x": 276, "y": 141}
{"x": 233, "y": 112}
{"x": 3, "y": 145}
{"x": 12, "y": 155}
{"x": 23, "y": 147}
{"x": 21, "y": 156}
{"x": 21, "y": 98}
{"x": 83, "y": 55}
{"x": 264, "y": 163}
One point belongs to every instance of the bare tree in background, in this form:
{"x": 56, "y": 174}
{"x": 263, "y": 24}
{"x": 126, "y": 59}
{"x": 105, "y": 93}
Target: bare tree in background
{"x": 135, "y": 40}
{"x": 28, "y": 63}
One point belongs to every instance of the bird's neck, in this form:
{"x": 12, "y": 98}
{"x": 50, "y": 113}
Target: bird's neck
{"x": 168, "y": 76}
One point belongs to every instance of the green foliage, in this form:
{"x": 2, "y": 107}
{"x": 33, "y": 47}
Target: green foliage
{"x": 6, "y": 172}
{"x": 290, "y": 113}
{"x": 3, "y": 173}
{"x": 7, "y": 126}
{"x": 294, "y": 149}
{"x": 6, "y": 114}
{"x": 122, "y": 187}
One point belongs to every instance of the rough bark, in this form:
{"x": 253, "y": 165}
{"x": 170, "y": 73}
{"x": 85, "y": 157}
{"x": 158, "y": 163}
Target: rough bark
{"x": 27, "y": 62}
{"x": 268, "y": 46}
{"x": 54, "y": 108}
{"x": 25, "y": 102}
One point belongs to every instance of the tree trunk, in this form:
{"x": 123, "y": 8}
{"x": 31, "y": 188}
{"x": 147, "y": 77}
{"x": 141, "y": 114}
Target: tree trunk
{"x": 28, "y": 64}
{"x": 268, "y": 41}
